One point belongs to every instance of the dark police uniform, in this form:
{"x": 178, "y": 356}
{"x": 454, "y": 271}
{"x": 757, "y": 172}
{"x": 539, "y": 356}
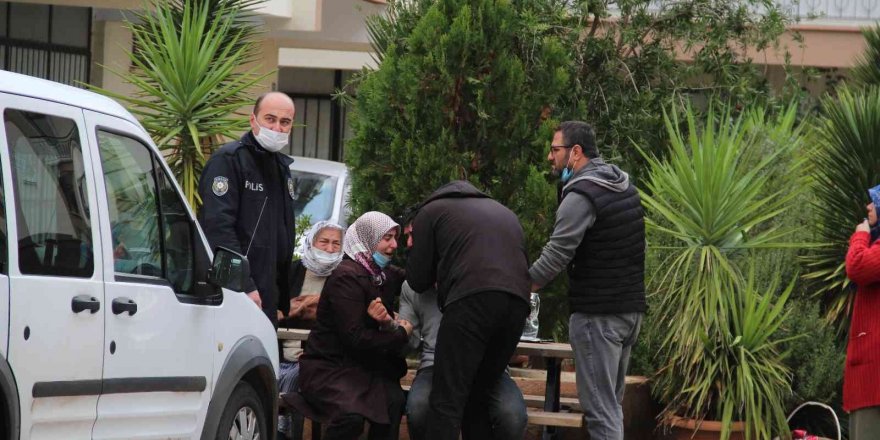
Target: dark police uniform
{"x": 237, "y": 180}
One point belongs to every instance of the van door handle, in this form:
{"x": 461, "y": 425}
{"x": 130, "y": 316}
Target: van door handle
{"x": 85, "y": 302}
{"x": 123, "y": 304}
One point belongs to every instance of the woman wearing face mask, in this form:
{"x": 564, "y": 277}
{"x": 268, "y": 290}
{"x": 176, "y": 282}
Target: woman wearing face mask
{"x": 321, "y": 252}
{"x": 861, "y": 376}
{"x": 351, "y": 369}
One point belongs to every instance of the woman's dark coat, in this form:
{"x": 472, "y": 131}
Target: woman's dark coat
{"x": 348, "y": 362}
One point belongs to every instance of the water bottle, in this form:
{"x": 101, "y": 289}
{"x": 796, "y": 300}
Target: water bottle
{"x": 530, "y": 330}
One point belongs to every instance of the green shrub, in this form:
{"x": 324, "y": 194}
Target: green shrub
{"x": 472, "y": 89}
{"x": 720, "y": 351}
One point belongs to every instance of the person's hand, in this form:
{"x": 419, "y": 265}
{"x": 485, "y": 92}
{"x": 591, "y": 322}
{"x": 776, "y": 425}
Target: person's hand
{"x": 304, "y": 307}
{"x": 120, "y": 252}
{"x": 407, "y": 326}
{"x": 296, "y": 306}
{"x": 377, "y": 311}
{"x": 255, "y": 297}
{"x": 864, "y": 227}
{"x": 280, "y": 315}
{"x": 535, "y": 287}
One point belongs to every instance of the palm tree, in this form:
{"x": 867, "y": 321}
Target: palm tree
{"x": 190, "y": 80}
{"x": 866, "y": 72}
{"x": 845, "y": 164}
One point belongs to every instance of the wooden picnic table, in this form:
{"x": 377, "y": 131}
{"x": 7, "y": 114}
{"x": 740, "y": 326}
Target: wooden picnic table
{"x": 552, "y": 352}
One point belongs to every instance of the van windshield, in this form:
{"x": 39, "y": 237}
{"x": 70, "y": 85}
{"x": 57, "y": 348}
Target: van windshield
{"x": 313, "y": 195}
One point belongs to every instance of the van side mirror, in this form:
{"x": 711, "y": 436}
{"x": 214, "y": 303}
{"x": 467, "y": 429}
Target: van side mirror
{"x": 229, "y": 270}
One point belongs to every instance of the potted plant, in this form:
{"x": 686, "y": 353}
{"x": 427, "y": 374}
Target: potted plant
{"x": 712, "y": 206}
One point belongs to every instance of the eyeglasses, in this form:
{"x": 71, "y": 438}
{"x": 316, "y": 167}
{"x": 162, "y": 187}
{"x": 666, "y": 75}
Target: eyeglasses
{"x": 553, "y": 148}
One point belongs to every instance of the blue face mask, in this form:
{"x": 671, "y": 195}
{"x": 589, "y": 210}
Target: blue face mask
{"x": 566, "y": 172}
{"x": 380, "y": 259}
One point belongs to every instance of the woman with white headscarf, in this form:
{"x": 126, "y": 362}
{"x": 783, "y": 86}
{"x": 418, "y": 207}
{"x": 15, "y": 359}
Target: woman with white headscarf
{"x": 351, "y": 369}
{"x": 321, "y": 252}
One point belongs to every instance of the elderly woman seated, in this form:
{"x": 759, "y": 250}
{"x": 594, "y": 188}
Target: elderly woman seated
{"x": 351, "y": 368}
{"x": 320, "y": 253}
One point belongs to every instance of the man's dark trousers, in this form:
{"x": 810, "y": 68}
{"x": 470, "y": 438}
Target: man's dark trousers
{"x": 477, "y": 336}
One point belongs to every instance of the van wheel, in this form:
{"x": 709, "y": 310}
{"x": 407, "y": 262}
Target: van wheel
{"x": 244, "y": 417}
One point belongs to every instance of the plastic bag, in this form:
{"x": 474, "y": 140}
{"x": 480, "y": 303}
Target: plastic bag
{"x": 530, "y": 330}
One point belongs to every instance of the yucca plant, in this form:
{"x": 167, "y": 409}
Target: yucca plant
{"x": 190, "y": 81}
{"x": 845, "y": 163}
{"x": 709, "y": 209}
{"x": 738, "y": 372}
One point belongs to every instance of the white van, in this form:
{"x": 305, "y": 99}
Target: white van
{"x": 110, "y": 327}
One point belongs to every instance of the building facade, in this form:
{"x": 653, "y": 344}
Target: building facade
{"x": 314, "y": 46}
{"x": 311, "y": 46}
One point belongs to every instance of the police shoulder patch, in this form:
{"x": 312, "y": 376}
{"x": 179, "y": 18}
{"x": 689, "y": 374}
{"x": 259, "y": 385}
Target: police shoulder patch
{"x": 291, "y": 188}
{"x": 220, "y": 186}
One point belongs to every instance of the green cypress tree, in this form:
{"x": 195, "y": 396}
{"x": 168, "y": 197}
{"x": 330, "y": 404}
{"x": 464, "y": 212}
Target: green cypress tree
{"x": 472, "y": 89}
{"x": 453, "y": 99}
{"x": 463, "y": 91}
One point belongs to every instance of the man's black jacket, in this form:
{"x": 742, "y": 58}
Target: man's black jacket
{"x": 467, "y": 243}
{"x": 237, "y": 180}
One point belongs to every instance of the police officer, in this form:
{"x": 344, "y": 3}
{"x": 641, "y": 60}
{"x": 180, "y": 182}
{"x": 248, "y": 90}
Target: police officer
{"x": 247, "y": 201}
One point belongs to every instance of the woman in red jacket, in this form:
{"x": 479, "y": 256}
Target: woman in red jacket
{"x": 861, "y": 378}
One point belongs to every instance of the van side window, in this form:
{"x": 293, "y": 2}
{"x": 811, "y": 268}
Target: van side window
{"x": 51, "y": 204}
{"x": 151, "y": 231}
{"x": 178, "y": 235}
{"x": 133, "y": 205}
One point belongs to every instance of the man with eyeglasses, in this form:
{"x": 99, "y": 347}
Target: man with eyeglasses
{"x": 599, "y": 237}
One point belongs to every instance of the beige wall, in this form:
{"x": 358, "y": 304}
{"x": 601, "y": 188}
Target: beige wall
{"x": 823, "y": 46}
{"x": 111, "y": 41}
{"x": 268, "y": 64}
{"x": 342, "y": 27}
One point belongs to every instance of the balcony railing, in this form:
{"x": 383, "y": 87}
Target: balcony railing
{"x": 860, "y": 10}
{"x": 866, "y": 11}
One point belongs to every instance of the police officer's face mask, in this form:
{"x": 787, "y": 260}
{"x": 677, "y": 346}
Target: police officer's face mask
{"x": 271, "y": 140}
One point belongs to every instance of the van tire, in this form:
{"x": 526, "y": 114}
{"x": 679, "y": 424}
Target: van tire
{"x": 243, "y": 410}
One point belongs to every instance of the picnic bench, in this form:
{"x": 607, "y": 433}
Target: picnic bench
{"x": 551, "y": 416}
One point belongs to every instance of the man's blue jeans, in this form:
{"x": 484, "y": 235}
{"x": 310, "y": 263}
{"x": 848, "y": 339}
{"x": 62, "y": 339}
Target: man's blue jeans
{"x": 507, "y": 409}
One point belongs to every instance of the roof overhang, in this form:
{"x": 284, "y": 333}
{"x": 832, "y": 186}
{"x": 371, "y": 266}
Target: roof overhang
{"x": 324, "y": 58}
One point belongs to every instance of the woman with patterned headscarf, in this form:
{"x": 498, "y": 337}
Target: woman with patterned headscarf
{"x": 321, "y": 252}
{"x": 351, "y": 369}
